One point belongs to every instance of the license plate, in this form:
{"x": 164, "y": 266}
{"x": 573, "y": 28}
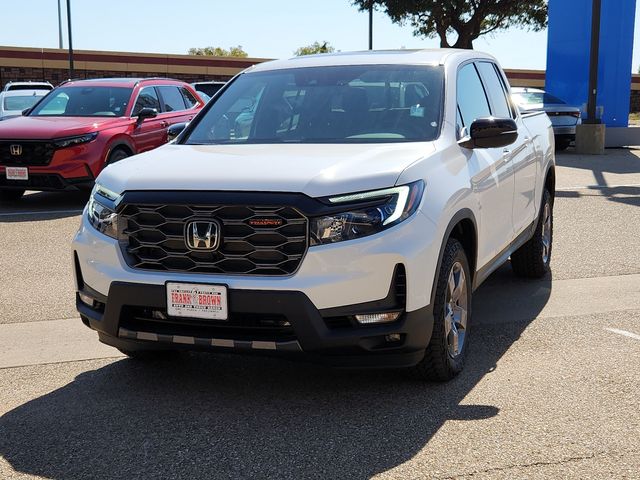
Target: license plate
{"x": 196, "y": 300}
{"x": 17, "y": 173}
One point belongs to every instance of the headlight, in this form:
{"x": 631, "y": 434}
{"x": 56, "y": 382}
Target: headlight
{"x": 101, "y": 211}
{"x": 380, "y": 210}
{"x": 68, "y": 142}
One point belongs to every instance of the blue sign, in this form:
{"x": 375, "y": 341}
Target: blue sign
{"x": 569, "y": 41}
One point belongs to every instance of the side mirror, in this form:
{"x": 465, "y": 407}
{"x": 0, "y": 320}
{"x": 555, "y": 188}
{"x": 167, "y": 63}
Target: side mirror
{"x": 145, "y": 113}
{"x": 490, "y": 132}
{"x": 174, "y": 130}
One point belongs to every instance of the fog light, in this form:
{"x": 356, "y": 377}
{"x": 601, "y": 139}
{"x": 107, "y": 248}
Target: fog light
{"x": 392, "y": 338}
{"x": 386, "y": 317}
{"x": 86, "y": 299}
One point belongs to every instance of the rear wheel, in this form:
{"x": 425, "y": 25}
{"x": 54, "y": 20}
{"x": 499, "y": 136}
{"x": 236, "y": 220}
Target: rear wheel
{"x": 533, "y": 258}
{"x": 562, "y": 145}
{"x": 445, "y": 355}
{"x": 11, "y": 194}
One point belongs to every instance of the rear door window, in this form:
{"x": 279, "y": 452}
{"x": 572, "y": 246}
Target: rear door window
{"x": 499, "y": 103}
{"x": 172, "y": 99}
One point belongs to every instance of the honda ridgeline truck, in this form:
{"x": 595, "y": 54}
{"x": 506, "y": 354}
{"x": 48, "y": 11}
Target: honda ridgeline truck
{"x": 340, "y": 208}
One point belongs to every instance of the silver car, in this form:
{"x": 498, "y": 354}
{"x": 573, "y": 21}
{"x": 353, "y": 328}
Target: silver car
{"x": 13, "y": 102}
{"x": 564, "y": 118}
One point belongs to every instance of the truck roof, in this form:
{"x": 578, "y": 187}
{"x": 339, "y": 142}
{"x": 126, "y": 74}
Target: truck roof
{"x": 434, "y": 56}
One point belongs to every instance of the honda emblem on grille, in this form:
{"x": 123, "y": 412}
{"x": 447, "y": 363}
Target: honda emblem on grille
{"x": 15, "y": 149}
{"x": 202, "y": 235}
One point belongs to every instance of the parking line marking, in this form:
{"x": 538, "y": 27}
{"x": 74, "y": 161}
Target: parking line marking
{"x": 42, "y": 212}
{"x": 587, "y": 187}
{"x": 624, "y": 333}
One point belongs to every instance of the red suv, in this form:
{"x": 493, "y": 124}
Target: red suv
{"x": 66, "y": 139}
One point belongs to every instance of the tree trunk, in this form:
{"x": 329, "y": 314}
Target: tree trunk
{"x": 465, "y": 42}
{"x": 443, "y": 42}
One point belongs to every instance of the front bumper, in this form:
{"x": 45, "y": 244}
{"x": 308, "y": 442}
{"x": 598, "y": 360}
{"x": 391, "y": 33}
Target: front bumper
{"x": 565, "y": 130}
{"x": 68, "y": 169}
{"x": 125, "y": 320}
{"x": 44, "y": 182}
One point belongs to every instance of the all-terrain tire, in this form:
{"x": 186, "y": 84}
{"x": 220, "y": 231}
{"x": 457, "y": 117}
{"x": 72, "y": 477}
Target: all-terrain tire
{"x": 439, "y": 364}
{"x": 532, "y": 259}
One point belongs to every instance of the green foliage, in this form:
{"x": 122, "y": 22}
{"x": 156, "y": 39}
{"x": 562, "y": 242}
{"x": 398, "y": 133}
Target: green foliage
{"x": 315, "y": 47}
{"x": 468, "y": 19}
{"x": 219, "y": 52}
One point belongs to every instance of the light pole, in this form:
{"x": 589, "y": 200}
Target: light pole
{"x": 590, "y": 135}
{"x": 371, "y": 25}
{"x": 59, "y": 25}
{"x": 593, "y": 62}
{"x": 70, "y": 40}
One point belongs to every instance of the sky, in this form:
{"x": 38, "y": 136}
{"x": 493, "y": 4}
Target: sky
{"x": 266, "y": 29}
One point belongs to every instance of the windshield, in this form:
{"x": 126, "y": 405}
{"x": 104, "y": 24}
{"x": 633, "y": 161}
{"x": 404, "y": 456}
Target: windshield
{"x": 343, "y": 104}
{"x": 530, "y": 98}
{"x": 84, "y": 102}
{"x": 21, "y": 102}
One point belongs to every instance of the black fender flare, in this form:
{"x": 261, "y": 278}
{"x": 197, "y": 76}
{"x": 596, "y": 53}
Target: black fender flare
{"x": 121, "y": 142}
{"x": 463, "y": 214}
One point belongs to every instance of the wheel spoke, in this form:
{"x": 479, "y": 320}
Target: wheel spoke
{"x": 460, "y": 317}
{"x": 452, "y": 284}
{"x": 453, "y": 338}
{"x": 455, "y": 315}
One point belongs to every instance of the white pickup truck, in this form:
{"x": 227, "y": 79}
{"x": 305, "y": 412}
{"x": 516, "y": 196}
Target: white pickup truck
{"x": 340, "y": 208}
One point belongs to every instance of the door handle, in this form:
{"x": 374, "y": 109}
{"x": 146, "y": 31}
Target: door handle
{"x": 164, "y": 124}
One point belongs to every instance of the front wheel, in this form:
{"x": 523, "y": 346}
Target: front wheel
{"x": 533, "y": 258}
{"x": 117, "y": 155}
{"x": 445, "y": 355}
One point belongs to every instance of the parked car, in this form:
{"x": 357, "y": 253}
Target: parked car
{"x": 28, "y": 85}
{"x": 208, "y": 88}
{"x": 564, "y": 118}
{"x": 205, "y": 98}
{"x": 14, "y": 102}
{"x": 65, "y": 141}
{"x": 349, "y": 221}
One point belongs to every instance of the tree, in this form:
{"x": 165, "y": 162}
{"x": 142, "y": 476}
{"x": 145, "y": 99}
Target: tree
{"x": 467, "y": 18}
{"x": 219, "y": 52}
{"x": 315, "y": 47}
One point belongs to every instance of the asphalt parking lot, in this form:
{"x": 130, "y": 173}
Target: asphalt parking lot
{"x": 551, "y": 389}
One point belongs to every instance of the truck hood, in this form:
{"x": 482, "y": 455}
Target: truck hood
{"x": 313, "y": 169}
{"x": 46, "y": 128}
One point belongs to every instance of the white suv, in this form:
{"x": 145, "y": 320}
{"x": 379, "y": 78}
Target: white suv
{"x": 338, "y": 207}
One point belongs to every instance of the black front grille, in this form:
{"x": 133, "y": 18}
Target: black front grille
{"x": 239, "y": 326}
{"x": 253, "y": 240}
{"x": 46, "y": 181}
{"x": 30, "y": 152}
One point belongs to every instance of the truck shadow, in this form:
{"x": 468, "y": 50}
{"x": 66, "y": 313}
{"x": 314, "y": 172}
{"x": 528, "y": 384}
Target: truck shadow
{"x": 618, "y": 161}
{"x": 224, "y": 416}
{"x": 36, "y": 206}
